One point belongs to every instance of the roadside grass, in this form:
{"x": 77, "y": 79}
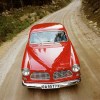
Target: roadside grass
{"x": 13, "y": 22}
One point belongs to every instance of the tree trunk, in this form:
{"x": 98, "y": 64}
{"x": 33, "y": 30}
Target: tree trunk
{"x": 12, "y": 6}
{"x": 21, "y": 2}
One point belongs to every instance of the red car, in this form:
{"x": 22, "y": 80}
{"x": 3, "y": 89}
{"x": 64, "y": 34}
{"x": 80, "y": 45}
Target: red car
{"x": 50, "y": 60}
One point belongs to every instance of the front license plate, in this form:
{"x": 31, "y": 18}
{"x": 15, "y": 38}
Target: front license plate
{"x": 50, "y": 86}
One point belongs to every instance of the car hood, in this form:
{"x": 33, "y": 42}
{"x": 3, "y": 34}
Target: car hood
{"x": 46, "y": 57}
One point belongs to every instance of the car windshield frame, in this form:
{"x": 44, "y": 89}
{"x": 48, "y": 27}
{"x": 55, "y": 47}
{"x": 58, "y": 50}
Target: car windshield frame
{"x": 37, "y": 32}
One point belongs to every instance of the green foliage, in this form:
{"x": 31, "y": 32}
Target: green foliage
{"x": 10, "y": 26}
{"x": 6, "y": 28}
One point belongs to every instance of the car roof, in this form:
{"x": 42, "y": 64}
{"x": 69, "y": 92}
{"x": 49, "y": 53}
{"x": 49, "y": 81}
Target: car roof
{"x": 48, "y": 26}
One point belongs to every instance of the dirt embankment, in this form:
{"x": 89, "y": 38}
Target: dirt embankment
{"x": 91, "y": 9}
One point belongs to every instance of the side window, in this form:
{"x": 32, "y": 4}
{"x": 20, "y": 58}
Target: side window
{"x": 60, "y": 36}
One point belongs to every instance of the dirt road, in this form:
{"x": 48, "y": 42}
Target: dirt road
{"x": 87, "y": 45}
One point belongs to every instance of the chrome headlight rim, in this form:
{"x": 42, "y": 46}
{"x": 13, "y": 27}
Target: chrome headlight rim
{"x": 76, "y": 68}
{"x": 25, "y": 72}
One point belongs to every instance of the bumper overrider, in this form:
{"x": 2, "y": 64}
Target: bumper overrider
{"x": 51, "y": 86}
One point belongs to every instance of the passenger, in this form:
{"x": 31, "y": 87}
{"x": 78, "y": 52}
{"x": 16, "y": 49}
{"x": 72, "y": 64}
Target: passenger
{"x": 60, "y": 37}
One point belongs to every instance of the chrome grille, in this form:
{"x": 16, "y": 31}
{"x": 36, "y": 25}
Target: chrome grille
{"x": 62, "y": 74}
{"x": 40, "y": 76}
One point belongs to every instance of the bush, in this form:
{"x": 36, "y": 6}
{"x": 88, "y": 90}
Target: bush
{"x": 10, "y": 26}
{"x": 6, "y": 28}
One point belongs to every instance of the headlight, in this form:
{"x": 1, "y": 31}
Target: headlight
{"x": 25, "y": 72}
{"x": 76, "y": 68}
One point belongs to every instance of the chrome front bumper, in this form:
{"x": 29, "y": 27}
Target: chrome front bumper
{"x": 51, "y": 86}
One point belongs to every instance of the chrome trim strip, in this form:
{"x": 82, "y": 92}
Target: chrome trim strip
{"x": 61, "y": 84}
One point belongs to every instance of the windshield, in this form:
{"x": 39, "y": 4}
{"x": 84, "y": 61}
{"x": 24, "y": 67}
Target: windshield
{"x": 48, "y": 37}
